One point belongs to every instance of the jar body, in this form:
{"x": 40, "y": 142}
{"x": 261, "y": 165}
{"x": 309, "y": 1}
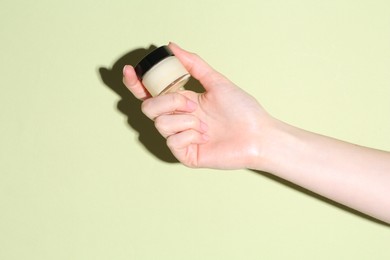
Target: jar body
{"x": 168, "y": 75}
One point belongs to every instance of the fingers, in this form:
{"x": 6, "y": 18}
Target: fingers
{"x": 197, "y": 67}
{"x": 184, "y": 139}
{"x": 169, "y": 125}
{"x": 167, "y": 104}
{"x": 132, "y": 82}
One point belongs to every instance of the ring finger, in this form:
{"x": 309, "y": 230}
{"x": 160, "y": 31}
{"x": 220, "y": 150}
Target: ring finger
{"x": 168, "y": 125}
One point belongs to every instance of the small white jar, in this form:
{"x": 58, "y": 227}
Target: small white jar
{"x": 161, "y": 72}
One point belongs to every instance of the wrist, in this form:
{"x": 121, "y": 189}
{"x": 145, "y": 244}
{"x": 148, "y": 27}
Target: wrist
{"x": 274, "y": 147}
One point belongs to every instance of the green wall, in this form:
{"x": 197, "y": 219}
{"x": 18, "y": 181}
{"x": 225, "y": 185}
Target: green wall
{"x": 83, "y": 175}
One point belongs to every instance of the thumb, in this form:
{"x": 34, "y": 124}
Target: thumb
{"x": 197, "y": 67}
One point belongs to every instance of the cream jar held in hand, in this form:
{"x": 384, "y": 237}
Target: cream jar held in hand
{"x": 161, "y": 72}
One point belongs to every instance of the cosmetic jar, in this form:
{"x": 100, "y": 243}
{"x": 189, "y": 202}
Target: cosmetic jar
{"x": 161, "y": 72}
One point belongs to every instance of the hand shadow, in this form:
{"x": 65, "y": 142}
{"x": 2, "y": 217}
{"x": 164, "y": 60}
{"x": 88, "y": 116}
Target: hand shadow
{"x": 131, "y": 106}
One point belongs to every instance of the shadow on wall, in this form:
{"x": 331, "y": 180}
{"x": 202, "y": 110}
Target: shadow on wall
{"x": 131, "y": 107}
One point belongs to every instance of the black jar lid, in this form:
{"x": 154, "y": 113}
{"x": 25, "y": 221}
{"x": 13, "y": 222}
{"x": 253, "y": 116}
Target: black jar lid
{"x": 152, "y": 59}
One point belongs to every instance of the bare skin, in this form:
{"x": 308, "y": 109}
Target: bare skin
{"x": 226, "y": 128}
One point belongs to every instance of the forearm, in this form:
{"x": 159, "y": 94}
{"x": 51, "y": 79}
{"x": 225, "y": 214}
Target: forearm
{"x": 355, "y": 176}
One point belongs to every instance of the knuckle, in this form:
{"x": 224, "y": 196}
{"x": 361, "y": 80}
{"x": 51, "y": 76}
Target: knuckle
{"x": 190, "y": 122}
{"x": 159, "y": 123}
{"x": 145, "y": 107}
{"x": 171, "y": 143}
{"x": 178, "y": 100}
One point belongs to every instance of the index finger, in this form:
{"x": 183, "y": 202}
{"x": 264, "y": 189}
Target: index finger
{"x": 197, "y": 67}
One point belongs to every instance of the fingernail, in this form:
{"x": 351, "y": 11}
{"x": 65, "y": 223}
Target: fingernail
{"x": 125, "y": 69}
{"x": 174, "y": 44}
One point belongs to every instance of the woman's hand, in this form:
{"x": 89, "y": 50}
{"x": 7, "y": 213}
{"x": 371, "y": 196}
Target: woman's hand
{"x": 220, "y": 128}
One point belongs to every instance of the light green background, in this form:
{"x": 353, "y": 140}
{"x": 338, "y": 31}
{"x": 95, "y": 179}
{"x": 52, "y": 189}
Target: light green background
{"x": 82, "y": 177}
